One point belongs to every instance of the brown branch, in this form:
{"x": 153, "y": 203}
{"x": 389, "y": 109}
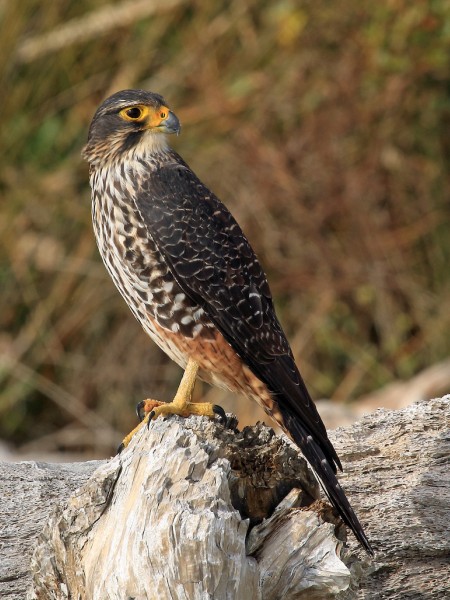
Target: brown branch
{"x": 90, "y": 26}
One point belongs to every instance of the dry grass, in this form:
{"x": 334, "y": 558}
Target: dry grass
{"x": 324, "y": 131}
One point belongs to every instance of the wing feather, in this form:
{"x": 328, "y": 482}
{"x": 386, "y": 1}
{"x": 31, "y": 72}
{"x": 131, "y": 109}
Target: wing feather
{"x": 214, "y": 264}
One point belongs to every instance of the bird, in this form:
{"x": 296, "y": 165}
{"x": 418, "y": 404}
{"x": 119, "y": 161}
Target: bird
{"x": 190, "y": 277}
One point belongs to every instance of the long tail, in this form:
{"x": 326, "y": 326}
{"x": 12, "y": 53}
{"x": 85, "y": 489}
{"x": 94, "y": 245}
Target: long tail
{"x": 325, "y": 470}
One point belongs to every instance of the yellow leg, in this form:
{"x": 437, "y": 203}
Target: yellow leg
{"x": 183, "y": 395}
{"x": 180, "y": 405}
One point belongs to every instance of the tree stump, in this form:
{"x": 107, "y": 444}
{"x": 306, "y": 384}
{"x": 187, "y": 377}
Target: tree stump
{"x": 195, "y": 510}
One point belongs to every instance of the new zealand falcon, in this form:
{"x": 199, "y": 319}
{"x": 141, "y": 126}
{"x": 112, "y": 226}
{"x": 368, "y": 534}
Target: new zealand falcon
{"x": 192, "y": 280}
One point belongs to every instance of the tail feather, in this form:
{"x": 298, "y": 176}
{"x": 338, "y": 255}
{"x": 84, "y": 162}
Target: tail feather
{"x": 325, "y": 471}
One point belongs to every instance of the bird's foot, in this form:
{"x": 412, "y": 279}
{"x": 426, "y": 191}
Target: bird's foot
{"x": 205, "y": 409}
{"x": 183, "y": 409}
{"x": 181, "y": 405}
{"x": 146, "y": 406}
{"x": 149, "y": 409}
{"x": 142, "y": 409}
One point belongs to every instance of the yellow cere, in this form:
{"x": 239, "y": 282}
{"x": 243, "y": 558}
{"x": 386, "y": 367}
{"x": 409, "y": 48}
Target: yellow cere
{"x": 140, "y": 113}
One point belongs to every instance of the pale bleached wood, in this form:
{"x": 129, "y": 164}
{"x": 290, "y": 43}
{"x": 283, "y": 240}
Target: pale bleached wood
{"x": 397, "y": 477}
{"x": 397, "y": 474}
{"x": 160, "y": 522}
{"x": 29, "y": 492}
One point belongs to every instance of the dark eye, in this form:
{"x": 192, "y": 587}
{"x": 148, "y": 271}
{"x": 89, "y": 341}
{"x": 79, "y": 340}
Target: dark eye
{"x": 134, "y": 113}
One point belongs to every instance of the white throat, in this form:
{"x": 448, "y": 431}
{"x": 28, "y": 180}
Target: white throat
{"x": 150, "y": 143}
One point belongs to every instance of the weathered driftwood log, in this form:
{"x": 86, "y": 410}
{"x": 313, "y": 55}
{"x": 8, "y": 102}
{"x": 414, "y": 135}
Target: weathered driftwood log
{"x": 167, "y": 519}
{"x": 178, "y": 515}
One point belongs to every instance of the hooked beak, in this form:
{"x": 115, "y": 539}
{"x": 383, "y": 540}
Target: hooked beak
{"x": 171, "y": 124}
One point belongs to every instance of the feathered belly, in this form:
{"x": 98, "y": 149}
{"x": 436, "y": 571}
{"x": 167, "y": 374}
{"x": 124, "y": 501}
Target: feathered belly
{"x": 179, "y": 326}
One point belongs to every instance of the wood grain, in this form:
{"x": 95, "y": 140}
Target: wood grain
{"x": 179, "y": 515}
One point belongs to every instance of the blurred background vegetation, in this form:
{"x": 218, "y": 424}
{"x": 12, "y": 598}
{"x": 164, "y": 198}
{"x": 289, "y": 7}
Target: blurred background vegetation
{"x": 323, "y": 126}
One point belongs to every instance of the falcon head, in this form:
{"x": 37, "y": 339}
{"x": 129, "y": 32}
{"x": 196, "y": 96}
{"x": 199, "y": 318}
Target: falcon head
{"x": 129, "y": 121}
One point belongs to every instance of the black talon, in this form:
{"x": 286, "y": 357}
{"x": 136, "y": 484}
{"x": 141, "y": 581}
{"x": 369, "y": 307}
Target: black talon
{"x": 228, "y": 421}
{"x": 120, "y": 448}
{"x": 218, "y": 410}
{"x": 150, "y": 417}
{"x": 140, "y": 410}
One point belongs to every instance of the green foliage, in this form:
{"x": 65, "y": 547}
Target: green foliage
{"x": 323, "y": 126}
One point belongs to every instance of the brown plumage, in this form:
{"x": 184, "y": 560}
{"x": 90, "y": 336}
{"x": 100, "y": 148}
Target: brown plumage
{"x": 190, "y": 277}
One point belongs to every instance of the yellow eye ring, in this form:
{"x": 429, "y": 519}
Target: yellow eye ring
{"x": 147, "y": 116}
{"x": 134, "y": 113}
